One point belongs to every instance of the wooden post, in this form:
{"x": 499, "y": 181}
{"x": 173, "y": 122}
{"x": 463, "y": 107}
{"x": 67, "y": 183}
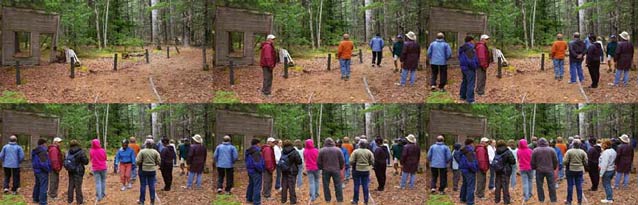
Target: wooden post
{"x": 18, "y": 80}
{"x": 115, "y": 63}
{"x": 360, "y": 56}
{"x": 329, "y": 58}
{"x": 72, "y": 68}
{"x": 286, "y": 67}
{"x": 543, "y": 62}
{"x": 499, "y": 74}
{"x": 204, "y": 59}
{"x": 168, "y": 52}
{"x": 146, "y": 55}
{"x": 177, "y": 49}
{"x": 232, "y": 73}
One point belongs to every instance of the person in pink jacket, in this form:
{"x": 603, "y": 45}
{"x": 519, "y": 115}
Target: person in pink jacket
{"x": 310, "y": 155}
{"x": 524, "y": 156}
{"x": 99, "y": 168}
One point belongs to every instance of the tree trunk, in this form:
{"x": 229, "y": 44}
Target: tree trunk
{"x": 154, "y": 120}
{"x": 106, "y": 22}
{"x": 155, "y": 25}
{"x": 97, "y": 26}
{"x": 319, "y": 124}
{"x": 311, "y": 26}
{"x": 532, "y": 25}
{"x": 369, "y": 128}
{"x": 524, "y": 24}
{"x": 581, "y": 18}
{"x": 368, "y": 29}
{"x": 582, "y": 127}
{"x": 319, "y": 21}
{"x": 106, "y": 125}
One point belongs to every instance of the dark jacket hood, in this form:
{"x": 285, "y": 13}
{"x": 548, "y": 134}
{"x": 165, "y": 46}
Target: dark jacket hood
{"x": 457, "y": 146}
{"x": 288, "y": 149}
{"x": 543, "y": 142}
{"x": 501, "y": 149}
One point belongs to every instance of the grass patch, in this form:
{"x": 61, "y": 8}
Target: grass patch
{"x": 439, "y": 97}
{"x": 12, "y": 97}
{"x": 225, "y": 97}
{"x": 526, "y": 53}
{"x": 439, "y": 200}
{"x": 12, "y": 199}
{"x": 223, "y": 199}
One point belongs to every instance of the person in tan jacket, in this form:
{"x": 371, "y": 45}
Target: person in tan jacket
{"x": 361, "y": 160}
{"x": 559, "y": 48}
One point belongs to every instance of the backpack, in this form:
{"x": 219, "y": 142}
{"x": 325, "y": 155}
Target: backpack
{"x": 284, "y": 163}
{"x": 70, "y": 163}
{"x": 498, "y": 163}
{"x": 36, "y": 162}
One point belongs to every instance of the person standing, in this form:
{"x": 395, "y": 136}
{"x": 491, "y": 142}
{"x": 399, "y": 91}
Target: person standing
{"x": 349, "y": 148}
{"x": 524, "y": 156}
{"x": 148, "y": 160}
{"x": 268, "y": 61}
{"x": 183, "y": 154}
{"x": 11, "y": 156}
{"x": 484, "y": 165}
{"x": 469, "y": 64}
{"x": 225, "y": 157}
{"x": 136, "y": 148}
{"x": 99, "y": 168}
{"x": 484, "y": 59}
{"x": 362, "y": 160}
{"x": 41, "y": 165}
{"x": 299, "y": 147}
{"x": 268, "y": 153}
{"x": 376, "y": 44}
{"x": 611, "y": 52}
{"x": 125, "y": 158}
{"x": 563, "y": 149}
{"x": 289, "y": 164}
{"x": 511, "y": 145}
{"x": 255, "y": 167}
{"x": 577, "y": 51}
{"x": 410, "y": 59}
{"x": 167, "y": 156}
{"x": 439, "y": 156}
{"x": 456, "y": 172}
{"x": 381, "y": 156}
{"x": 277, "y": 149}
{"x": 330, "y": 161}
{"x": 410, "y": 156}
{"x": 346, "y": 159}
{"x": 607, "y": 170}
{"x": 491, "y": 152}
{"x": 344, "y": 54}
{"x": 624, "y": 58}
{"x": 575, "y": 161}
{"x": 593, "y": 60}
{"x": 196, "y": 161}
{"x": 310, "y": 155}
{"x": 469, "y": 167}
{"x": 439, "y": 53}
{"x": 541, "y": 158}
{"x": 559, "y": 155}
{"x": 397, "y": 49}
{"x": 397, "y": 149}
{"x": 593, "y": 156}
{"x": 74, "y": 163}
{"x": 55, "y": 155}
{"x": 559, "y": 49}
{"x": 502, "y": 166}
{"x": 624, "y": 160}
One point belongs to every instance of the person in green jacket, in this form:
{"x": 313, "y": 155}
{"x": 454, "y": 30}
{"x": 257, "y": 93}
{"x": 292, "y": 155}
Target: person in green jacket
{"x": 397, "y": 48}
{"x": 397, "y": 149}
{"x": 361, "y": 161}
{"x": 148, "y": 160}
{"x": 611, "y": 52}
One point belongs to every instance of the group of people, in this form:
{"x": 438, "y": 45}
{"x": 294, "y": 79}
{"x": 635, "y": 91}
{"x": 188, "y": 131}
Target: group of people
{"x": 619, "y": 53}
{"x": 130, "y": 161}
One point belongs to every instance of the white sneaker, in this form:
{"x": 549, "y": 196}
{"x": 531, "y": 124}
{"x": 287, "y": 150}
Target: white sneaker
{"x": 129, "y": 186}
{"x": 605, "y": 201}
{"x": 6, "y": 190}
{"x": 123, "y": 188}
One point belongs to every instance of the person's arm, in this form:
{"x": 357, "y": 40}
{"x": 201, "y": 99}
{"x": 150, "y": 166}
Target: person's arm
{"x": 320, "y": 160}
{"x": 429, "y": 52}
{"x": 339, "y": 50}
{"x": 139, "y": 163}
{"x": 449, "y": 52}
{"x": 342, "y": 160}
{"x": 235, "y": 154}
{"x": 2, "y": 154}
{"x": 117, "y": 157}
{"x": 158, "y": 159}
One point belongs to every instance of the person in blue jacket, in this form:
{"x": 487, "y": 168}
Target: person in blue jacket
{"x": 469, "y": 166}
{"x": 11, "y": 155}
{"x": 439, "y": 156}
{"x": 255, "y": 168}
{"x": 439, "y": 53}
{"x": 224, "y": 157}
{"x": 124, "y": 159}
{"x": 41, "y": 167}
{"x": 376, "y": 44}
{"x": 469, "y": 63}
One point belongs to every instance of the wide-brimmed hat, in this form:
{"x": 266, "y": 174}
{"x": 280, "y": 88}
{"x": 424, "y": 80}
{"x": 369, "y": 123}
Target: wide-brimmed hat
{"x": 485, "y": 139}
{"x": 624, "y": 138}
{"x": 411, "y": 138}
{"x": 484, "y": 36}
{"x": 197, "y": 138}
{"x": 625, "y": 36}
{"x": 271, "y": 37}
{"x": 411, "y": 36}
{"x": 57, "y": 139}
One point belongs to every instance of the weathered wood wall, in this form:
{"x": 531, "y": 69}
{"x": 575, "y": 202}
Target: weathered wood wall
{"x": 27, "y": 20}
{"x": 461, "y": 22}
{"x": 239, "y": 20}
{"x": 456, "y": 125}
{"x": 239, "y": 123}
{"x": 31, "y": 124}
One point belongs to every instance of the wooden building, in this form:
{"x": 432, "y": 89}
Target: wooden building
{"x": 235, "y": 34}
{"x": 28, "y": 127}
{"x": 456, "y": 24}
{"x": 29, "y": 36}
{"x": 455, "y": 126}
{"x": 242, "y": 127}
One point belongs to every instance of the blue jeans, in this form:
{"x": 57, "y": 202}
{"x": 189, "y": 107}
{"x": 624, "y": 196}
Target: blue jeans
{"x": 404, "y": 76}
{"x": 559, "y": 67}
{"x": 576, "y": 69}
{"x": 561, "y": 171}
{"x": 625, "y": 76}
{"x": 347, "y": 174}
{"x": 313, "y": 182}
{"x": 625, "y": 180}
{"x": 300, "y": 178}
{"x": 492, "y": 175}
{"x": 513, "y": 176}
{"x": 40, "y": 188}
{"x": 253, "y": 192}
{"x": 404, "y": 178}
{"x": 467, "y": 85}
{"x": 467, "y": 188}
{"x": 277, "y": 179}
{"x": 609, "y": 192}
{"x": 345, "y": 67}
{"x": 526, "y": 178}
{"x": 147, "y": 179}
{"x": 134, "y": 173}
{"x": 361, "y": 179}
{"x": 100, "y": 184}
{"x": 575, "y": 179}
{"x": 191, "y": 175}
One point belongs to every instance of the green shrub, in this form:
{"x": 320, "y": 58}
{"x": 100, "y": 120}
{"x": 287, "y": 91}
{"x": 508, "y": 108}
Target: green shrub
{"x": 12, "y": 97}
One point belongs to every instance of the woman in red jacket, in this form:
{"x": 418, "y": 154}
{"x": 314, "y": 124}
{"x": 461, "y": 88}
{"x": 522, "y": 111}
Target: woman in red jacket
{"x": 268, "y": 61}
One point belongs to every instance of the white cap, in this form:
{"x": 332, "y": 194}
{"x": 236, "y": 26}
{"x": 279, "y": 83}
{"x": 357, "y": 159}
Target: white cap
{"x": 270, "y": 139}
{"x": 57, "y": 139}
{"x": 485, "y": 139}
{"x": 485, "y": 37}
{"x": 271, "y": 37}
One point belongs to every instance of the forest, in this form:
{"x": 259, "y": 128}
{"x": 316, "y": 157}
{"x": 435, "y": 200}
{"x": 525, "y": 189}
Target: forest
{"x": 298, "y": 121}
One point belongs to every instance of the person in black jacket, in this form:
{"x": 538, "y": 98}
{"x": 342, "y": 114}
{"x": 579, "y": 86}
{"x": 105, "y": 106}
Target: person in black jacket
{"x": 503, "y": 176}
{"x": 381, "y": 155}
{"x": 166, "y": 164}
{"x": 594, "y": 52}
{"x": 593, "y": 155}
{"x": 75, "y": 176}
{"x": 289, "y": 172}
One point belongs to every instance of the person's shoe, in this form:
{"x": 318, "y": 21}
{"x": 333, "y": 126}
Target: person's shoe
{"x": 123, "y": 188}
{"x": 455, "y": 189}
{"x": 373, "y": 65}
{"x": 442, "y": 90}
{"x": 129, "y": 186}
{"x": 5, "y": 190}
{"x": 219, "y": 191}
{"x": 432, "y": 191}
{"x": 441, "y": 193}
{"x": 605, "y": 201}
{"x": 228, "y": 193}
{"x": 354, "y": 202}
{"x": 140, "y": 202}
{"x": 432, "y": 88}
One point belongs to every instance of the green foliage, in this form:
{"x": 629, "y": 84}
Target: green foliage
{"x": 223, "y": 199}
{"x": 12, "y": 97}
{"x": 12, "y": 199}
{"x": 439, "y": 97}
{"x": 436, "y": 199}
{"x": 225, "y": 97}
